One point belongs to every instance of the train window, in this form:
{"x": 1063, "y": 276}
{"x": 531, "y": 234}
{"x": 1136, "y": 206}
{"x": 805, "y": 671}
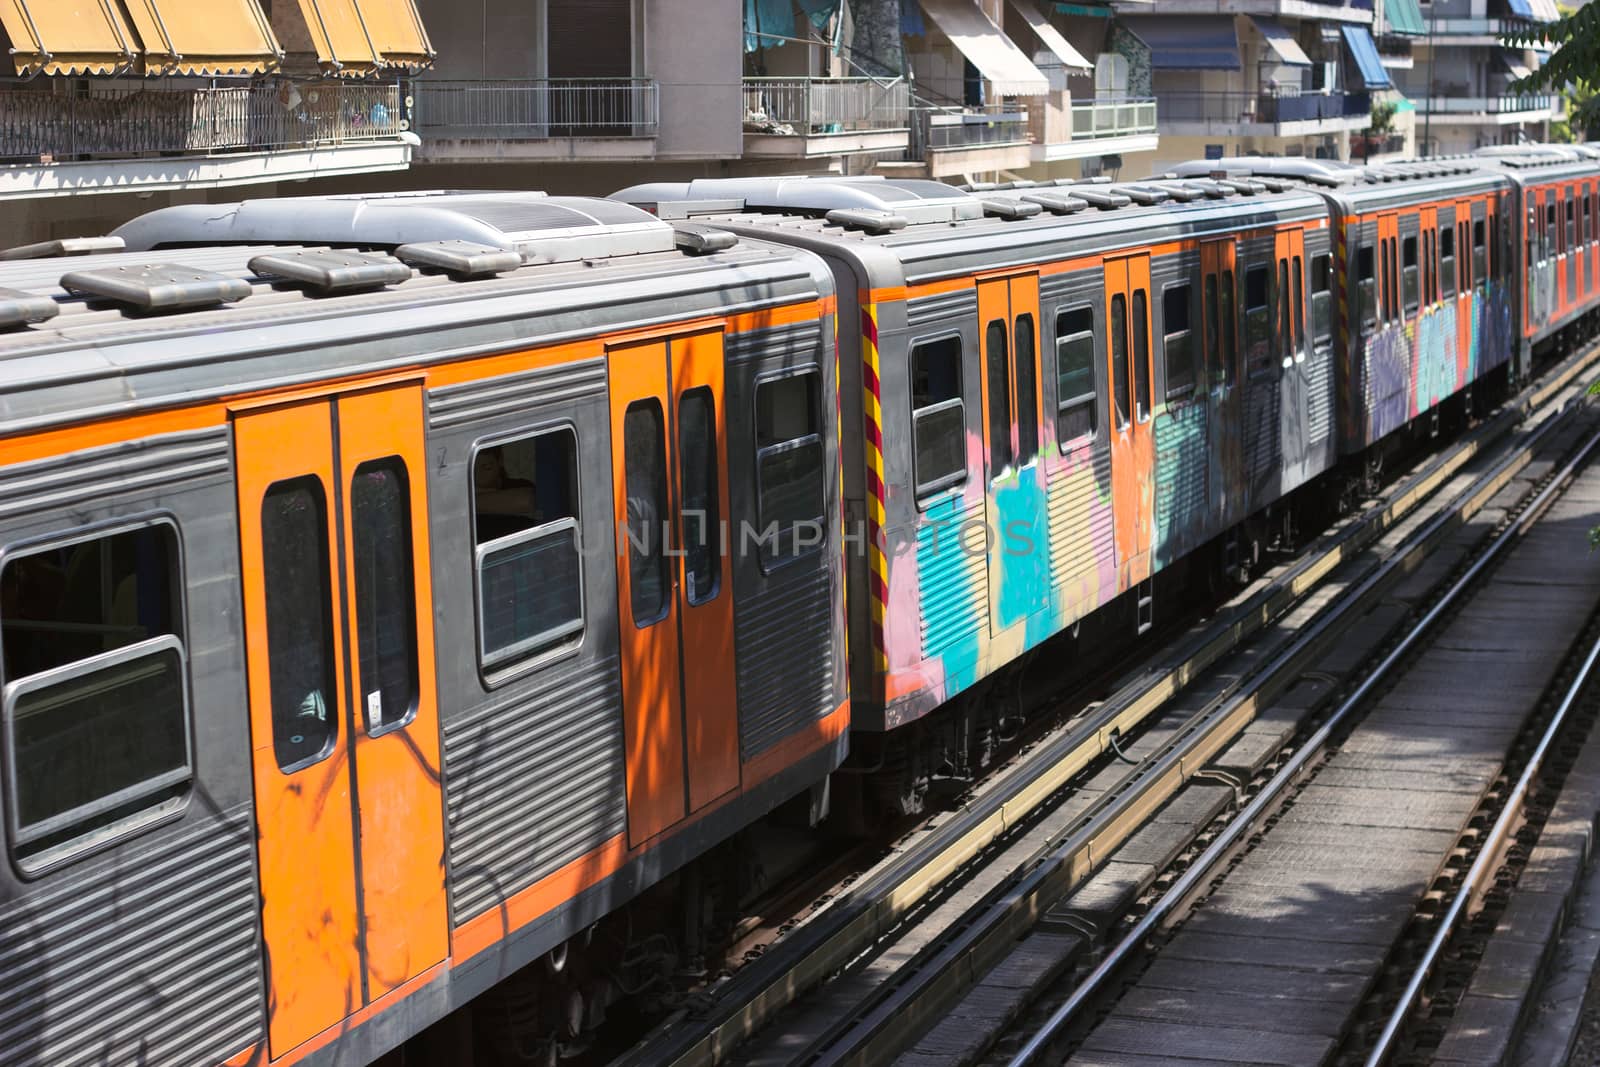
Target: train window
{"x": 1321, "y": 298}
{"x": 526, "y": 556}
{"x": 96, "y": 698}
{"x": 644, "y": 461}
{"x": 700, "y": 514}
{"x": 1141, "y": 356}
{"x": 789, "y": 464}
{"x": 1213, "y": 331}
{"x": 1027, "y": 389}
{"x": 999, "y": 398}
{"x": 1551, "y": 230}
{"x": 1447, "y": 262}
{"x": 300, "y": 634}
{"x": 1177, "y": 338}
{"x": 1299, "y": 308}
{"x": 1285, "y": 338}
{"x": 1075, "y": 406}
{"x": 386, "y": 614}
{"x": 1531, "y": 239}
{"x": 1408, "y": 273}
{"x": 1121, "y": 401}
{"x": 938, "y": 416}
{"x": 1230, "y": 329}
{"x": 1258, "y": 315}
{"x": 1572, "y": 227}
{"x": 1366, "y": 285}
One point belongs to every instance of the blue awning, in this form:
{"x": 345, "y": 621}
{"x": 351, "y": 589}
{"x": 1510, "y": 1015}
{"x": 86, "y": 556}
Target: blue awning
{"x": 1404, "y": 16}
{"x": 1188, "y": 42}
{"x": 1364, "y": 50}
{"x": 1522, "y": 8}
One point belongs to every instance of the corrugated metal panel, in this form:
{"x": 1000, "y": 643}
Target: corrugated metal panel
{"x": 800, "y": 339}
{"x": 69, "y": 482}
{"x": 453, "y": 405}
{"x": 962, "y": 303}
{"x": 1319, "y": 400}
{"x": 1262, "y": 429}
{"x": 532, "y": 782}
{"x": 953, "y": 577}
{"x": 1080, "y": 501}
{"x": 783, "y": 648}
{"x": 153, "y": 960}
{"x": 1181, "y": 487}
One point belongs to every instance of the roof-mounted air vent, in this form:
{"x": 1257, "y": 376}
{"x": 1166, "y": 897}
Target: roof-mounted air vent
{"x": 1010, "y": 209}
{"x": 700, "y": 240}
{"x": 461, "y": 260}
{"x": 65, "y": 246}
{"x": 24, "y": 309}
{"x": 1142, "y": 194}
{"x": 541, "y": 229}
{"x": 1101, "y": 198}
{"x": 878, "y": 222}
{"x": 1057, "y": 203}
{"x": 327, "y": 272}
{"x": 916, "y": 200}
{"x": 156, "y": 287}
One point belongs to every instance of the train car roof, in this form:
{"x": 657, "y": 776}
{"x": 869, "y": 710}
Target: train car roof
{"x": 1529, "y": 164}
{"x": 902, "y": 231}
{"x": 181, "y": 319}
{"x": 1357, "y": 186}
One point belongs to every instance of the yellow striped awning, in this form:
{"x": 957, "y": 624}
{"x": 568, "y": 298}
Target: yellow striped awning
{"x": 204, "y": 37}
{"x": 68, "y": 36}
{"x": 397, "y": 32}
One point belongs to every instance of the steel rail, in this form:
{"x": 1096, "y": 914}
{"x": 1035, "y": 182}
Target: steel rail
{"x": 1481, "y": 867}
{"x": 1203, "y": 866}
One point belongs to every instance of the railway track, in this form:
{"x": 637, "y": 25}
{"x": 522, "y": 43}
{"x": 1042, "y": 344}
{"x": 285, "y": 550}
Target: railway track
{"x": 906, "y": 939}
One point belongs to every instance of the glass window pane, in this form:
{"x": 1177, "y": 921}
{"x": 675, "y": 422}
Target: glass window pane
{"x": 789, "y": 466}
{"x": 1321, "y": 298}
{"x": 645, "y": 479}
{"x": 1299, "y": 307}
{"x": 702, "y": 515}
{"x": 517, "y": 485}
{"x": 999, "y": 375}
{"x": 1119, "y": 359}
{"x": 1285, "y": 338}
{"x": 1027, "y": 389}
{"x": 1230, "y": 328}
{"x": 1141, "y": 355}
{"x": 380, "y": 521}
{"x": 1258, "y": 315}
{"x": 1213, "y": 334}
{"x": 1076, "y": 410}
{"x": 294, "y": 572}
{"x": 1177, "y": 342}
{"x": 938, "y": 416}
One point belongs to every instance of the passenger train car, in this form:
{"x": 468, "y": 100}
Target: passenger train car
{"x": 365, "y": 629}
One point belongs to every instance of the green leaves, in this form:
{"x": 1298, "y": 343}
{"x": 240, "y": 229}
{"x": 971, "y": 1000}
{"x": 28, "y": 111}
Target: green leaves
{"x": 1574, "y": 64}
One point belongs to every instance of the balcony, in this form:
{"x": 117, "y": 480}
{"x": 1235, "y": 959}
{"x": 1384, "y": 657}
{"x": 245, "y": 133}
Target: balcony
{"x": 1377, "y": 148}
{"x": 807, "y": 118}
{"x": 122, "y": 138}
{"x": 1463, "y": 110}
{"x": 537, "y": 119}
{"x": 1359, "y": 11}
{"x": 1273, "y": 114}
{"x": 1065, "y": 128}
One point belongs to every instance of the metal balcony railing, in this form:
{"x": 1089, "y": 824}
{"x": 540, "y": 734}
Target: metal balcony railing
{"x": 1365, "y": 146}
{"x": 537, "y": 109}
{"x": 1271, "y": 108}
{"x": 1119, "y": 117}
{"x": 1489, "y": 105}
{"x": 941, "y": 129}
{"x": 119, "y": 122}
{"x": 808, "y": 107}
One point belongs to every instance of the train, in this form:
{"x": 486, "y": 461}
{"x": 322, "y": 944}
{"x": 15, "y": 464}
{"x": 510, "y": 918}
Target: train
{"x": 479, "y": 567}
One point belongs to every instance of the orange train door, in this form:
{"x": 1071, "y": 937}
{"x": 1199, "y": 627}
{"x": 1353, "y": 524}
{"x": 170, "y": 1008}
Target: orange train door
{"x": 1009, "y": 330}
{"x": 668, "y": 432}
{"x": 1132, "y": 448}
{"x": 343, "y": 713}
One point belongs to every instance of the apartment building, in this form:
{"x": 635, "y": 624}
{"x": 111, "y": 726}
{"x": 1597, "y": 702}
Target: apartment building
{"x": 1461, "y": 76}
{"x": 112, "y": 107}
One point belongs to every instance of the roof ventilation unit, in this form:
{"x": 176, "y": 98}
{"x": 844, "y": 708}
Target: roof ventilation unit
{"x": 66, "y": 246}
{"x": 156, "y": 287}
{"x": 24, "y": 309}
{"x": 327, "y": 272}
{"x": 461, "y": 260}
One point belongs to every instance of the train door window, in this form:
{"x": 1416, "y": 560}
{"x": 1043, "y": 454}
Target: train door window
{"x": 1258, "y": 315}
{"x": 1119, "y": 360}
{"x": 938, "y": 415}
{"x": 386, "y": 623}
{"x": 1366, "y": 285}
{"x": 1213, "y": 331}
{"x": 1447, "y": 262}
{"x": 1572, "y": 226}
{"x": 698, "y": 477}
{"x": 1027, "y": 389}
{"x": 1177, "y": 338}
{"x": 1075, "y": 400}
{"x": 1141, "y": 356}
{"x": 1533, "y": 238}
{"x": 789, "y": 464}
{"x": 1230, "y": 329}
{"x": 1551, "y": 230}
{"x": 1321, "y": 298}
{"x": 644, "y": 460}
{"x": 294, "y": 572}
{"x": 1285, "y": 336}
{"x": 526, "y": 555}
{"x": 1408, "y": 273}
{"x": 999, "y": 398}
{"x": 1297, "y": 272}
{"x": 96, "y": 703}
